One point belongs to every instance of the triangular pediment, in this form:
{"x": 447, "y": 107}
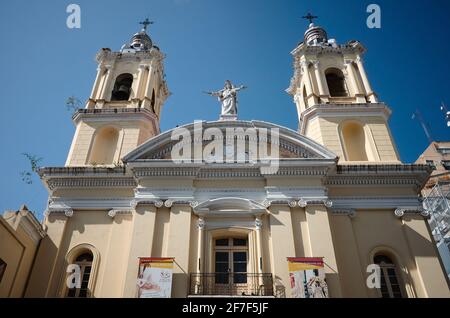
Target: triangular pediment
{"x": 251, "y": 136}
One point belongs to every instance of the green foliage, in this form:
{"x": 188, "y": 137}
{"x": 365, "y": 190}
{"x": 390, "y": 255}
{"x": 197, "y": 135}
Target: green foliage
{"x": 73, "y": 103}
{"x": 34, "y": 163}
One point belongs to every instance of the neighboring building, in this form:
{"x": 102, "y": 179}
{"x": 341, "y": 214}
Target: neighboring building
{"x": 436, "y": 195}
{"x": 340, "y": 191}
{"x": 20, "y": 235}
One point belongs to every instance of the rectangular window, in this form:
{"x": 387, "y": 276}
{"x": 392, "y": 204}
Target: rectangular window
{"x": 222, "y": 242}
{"x": 431, "y": 164}
{"x": 239, "y": 242}
{"x": 444, "y": 150}
{"x": 2, "y": 269}
{"x": 222, "y": 267}
{"x": 446, "y": 164}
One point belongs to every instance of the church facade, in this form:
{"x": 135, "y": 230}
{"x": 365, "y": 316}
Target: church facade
{"x": 338, "y": 192}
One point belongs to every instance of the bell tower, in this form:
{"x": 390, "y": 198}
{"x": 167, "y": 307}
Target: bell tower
{"x": 336, "y": 104}
{"x": 125, "y": 104}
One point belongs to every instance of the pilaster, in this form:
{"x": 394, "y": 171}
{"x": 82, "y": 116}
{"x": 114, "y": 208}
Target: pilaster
{"x": 321, "y": 241}
{"x": 141, "y": 242}
{"x": 179, "y": 244}
{"x": 282, "y": 246}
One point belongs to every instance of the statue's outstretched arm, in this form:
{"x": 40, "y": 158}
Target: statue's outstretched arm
{"x": 218, "y": 93}
{"x": 236, "y": 89}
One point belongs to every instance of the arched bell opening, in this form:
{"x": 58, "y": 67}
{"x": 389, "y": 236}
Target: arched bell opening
{"x": 122, "y": 87}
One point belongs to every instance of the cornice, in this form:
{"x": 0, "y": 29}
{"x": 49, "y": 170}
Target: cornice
{"x": 351, "y": 47}
{"x": 85, "y": 177}
{"x": 107, "y": 56}
{"x": 87, "y": 171}
{"x": 58, "y": 183}
{"x": 379, "y": 175}
{"x": 371, "y": 181}
{"x": 374, "y": 202}
{"x": 111, "y": 114}
{"x": 208, "y": 171}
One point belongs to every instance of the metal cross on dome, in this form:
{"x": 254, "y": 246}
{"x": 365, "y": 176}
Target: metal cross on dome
{"x": 310, "y": 17}
{"x": 146, "y": 23}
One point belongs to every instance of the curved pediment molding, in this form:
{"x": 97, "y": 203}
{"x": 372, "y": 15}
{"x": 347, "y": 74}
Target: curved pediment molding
{"x": 230, "y": 206}
{"x": 290, "y": 144}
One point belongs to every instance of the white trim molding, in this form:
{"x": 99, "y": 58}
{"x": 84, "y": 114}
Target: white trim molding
{"x": 68, "y": 212}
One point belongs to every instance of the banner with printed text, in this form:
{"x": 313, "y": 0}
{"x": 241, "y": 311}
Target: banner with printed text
{"x": 307, "y": 277}
{"x": 155, "y": 277}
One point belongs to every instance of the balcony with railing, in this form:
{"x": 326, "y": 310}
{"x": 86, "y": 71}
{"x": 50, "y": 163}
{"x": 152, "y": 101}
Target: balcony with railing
{"x": 231, "y": 284}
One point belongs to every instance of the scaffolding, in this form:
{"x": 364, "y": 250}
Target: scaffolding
{"x": 437, "y": 203}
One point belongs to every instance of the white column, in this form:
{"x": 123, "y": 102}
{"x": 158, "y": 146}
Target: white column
{"x": 259, "y": 249}
{"x": 321, "y": 244}
{"x": 350, "y": 269}
{"x": 322, "y": 91}
{"x": 200, "y": 247}
{"x": 360, "y": 98}
{"x": 178, "y": 246}
{"x": 282, "y": 245}
{"x": 107, "y": 80}
{"x": 141, "y": 241}
{"x": 308, "y": 84}
{"x": 200, "y": 244}
{"x": 94, "y": 92}
{"x": 148, "y": 86}
{"x": 370, "y": 94}
{"x": 139, "y": 86}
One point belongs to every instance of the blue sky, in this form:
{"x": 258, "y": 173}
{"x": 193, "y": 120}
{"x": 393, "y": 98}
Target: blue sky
{"x": 247, "y": 41}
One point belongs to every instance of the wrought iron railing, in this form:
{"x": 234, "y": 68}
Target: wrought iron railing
{"x": 231, "y": 284}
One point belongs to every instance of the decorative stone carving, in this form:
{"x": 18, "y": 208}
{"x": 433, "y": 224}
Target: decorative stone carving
{"x": 170, "y": 202}
{"x": 328, "y": 203}
{"x": 304, "y": 64}
{"x": 292, "y": 203}
{"x": 401, "y": 211}
{"x": 315, "y": 64}
{"x": 258, "y": 223}
{"x": 193, "y": 204}
{"x": 302, "y": 203}
{"x": 112, "y": 213}
{"x": 67, "y": 212}
{"x": 201, "y": 224}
